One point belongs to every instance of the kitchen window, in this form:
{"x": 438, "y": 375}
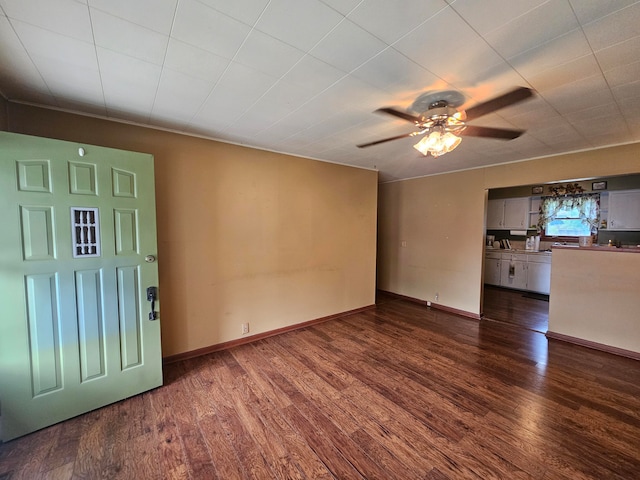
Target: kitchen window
{"x": 570, "y": 216}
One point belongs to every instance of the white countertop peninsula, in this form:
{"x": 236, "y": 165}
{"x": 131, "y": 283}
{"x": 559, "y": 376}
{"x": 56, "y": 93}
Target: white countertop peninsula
{"x": 595, "y": 298}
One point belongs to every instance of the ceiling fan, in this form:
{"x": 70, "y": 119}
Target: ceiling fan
{"x": 444, "y": 123}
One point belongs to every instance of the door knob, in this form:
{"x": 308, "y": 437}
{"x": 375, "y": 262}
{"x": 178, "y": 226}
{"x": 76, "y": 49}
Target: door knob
{"x": 150, "y": 258}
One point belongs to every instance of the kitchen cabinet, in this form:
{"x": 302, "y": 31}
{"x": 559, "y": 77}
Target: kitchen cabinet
{"x": 624, "y": 210}
{"x": 495, "y": 214}
{"x": 492, "y": 268}
{"x": 521, "y": 271}
{"x": 513, "y": 271}
{"x": 539, "y": 273}
{"x": 508, "y": 213}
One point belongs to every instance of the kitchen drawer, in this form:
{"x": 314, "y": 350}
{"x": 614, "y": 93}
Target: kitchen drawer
{"x": 539, "y": 258}
{"x": 516, "y": 257}
{"x": 496, "y": 255}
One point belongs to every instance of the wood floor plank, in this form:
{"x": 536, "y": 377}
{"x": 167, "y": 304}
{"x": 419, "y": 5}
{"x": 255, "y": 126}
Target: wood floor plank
{"x": 307, "y": 462}
{"x": 401, "y": 391}
{"x": 196, "y": 451}
{"x": 170, "y": 456}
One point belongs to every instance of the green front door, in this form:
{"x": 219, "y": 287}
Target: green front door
{"x": 77, "y": 253}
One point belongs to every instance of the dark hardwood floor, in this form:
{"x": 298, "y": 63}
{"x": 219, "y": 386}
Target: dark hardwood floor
{"x": 527, "y": 310}
{"x": 399, "y": 392}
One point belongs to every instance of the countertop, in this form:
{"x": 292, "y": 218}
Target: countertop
{"x": 517, "y": 251}
{"x": 598, "y": 248}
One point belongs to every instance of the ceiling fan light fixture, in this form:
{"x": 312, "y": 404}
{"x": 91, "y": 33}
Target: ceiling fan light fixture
{"x": 437, "y": 143}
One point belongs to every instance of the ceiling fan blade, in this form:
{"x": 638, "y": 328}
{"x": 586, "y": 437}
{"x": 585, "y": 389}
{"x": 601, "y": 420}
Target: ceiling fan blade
{"x": 500, "y": 133}
{"x": 401, "y": 114}
{"x": 387, "y": 139}
{"x": 509, "y": 98}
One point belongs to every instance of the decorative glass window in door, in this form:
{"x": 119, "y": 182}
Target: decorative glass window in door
{"x": 85, "y": 232}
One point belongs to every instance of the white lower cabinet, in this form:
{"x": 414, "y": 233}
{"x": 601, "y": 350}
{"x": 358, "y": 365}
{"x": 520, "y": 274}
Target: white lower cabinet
{"x": 513, "y": 272}
{"x": 492, "y": 268}
{"x": 522, "y": 271}
{"x": 539, "y": 273}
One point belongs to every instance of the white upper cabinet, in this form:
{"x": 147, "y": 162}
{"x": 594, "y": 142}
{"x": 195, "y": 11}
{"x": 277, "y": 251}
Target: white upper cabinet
{"x": 495, "y": 214}
{"x": 508, "y": 213}
{"x": 624, "y": 210}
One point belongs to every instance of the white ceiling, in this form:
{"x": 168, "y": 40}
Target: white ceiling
{"x": 304, "y": 76}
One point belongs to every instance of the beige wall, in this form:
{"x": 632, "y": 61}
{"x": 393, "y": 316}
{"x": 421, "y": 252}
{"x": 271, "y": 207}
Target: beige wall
{"x": 441, "y": 218}
{"x": 596, "y": 296}
{"x": 243, "y": 235}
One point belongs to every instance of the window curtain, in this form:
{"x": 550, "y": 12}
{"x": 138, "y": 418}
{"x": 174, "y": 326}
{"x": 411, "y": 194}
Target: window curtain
{"x": 588, "y": 206}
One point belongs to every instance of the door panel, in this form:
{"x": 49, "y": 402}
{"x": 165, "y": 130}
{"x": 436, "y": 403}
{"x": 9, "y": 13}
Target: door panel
{"x": 44, "y": 331}
{"x": 89, "y": 293}
{"x": 75, "y": 332}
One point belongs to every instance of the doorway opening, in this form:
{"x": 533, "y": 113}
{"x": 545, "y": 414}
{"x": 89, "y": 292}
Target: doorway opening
{"x": 522, "y": 309}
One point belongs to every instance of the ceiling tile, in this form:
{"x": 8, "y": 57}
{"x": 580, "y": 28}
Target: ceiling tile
{"x": 245, "y": 71}
{"x": 589, "y": 128}
{"x": 246, "y": 11}
{"x": 202, "y": 26}
{"x": 347, "y": 46}
{"x": 424, "y": 44}
{"x": 300, "y": 23}
{"x": 52, "y": 45}
{"x": 128, "y": 38}
{"x": 589, "y": 11}
{"x": 78, "y": 83}
{"x": 488, "y": 15}
{"x": 313, "y": 74}
{"x": 595, "y": 115}
{"x": 619, "y": 54}
{"x": 153, "y": 14}
{"x": 238, "y": 89}
{"x": 86, "y": 108}
{"x": 623, "y": 74}
{"x": 474, "y": 64}
{"x": 246, "y": 80}
{"x": 626, "y": 91}
{"x": 525, "y": 32}
{"x": 390, "y": 20}
{"x": 349, "y": 93}
{"x": 579, "y": 95}
{"x": 559, "y": 51}
{"x": 19, "y": 78}
{"x": 194, "y": 61}
{"x": 180, "y": 95}
{"x": 614, "y": 28}
{"x": 66, "y": 17}
{"x": 128, "y": 82}
{"x": 392, "y": 71}
{"x": 342, "y": 6}
{"x": 277, "y": 103}
{"x": 582, "y": 67}
{"x": 211, "y": 120}
{"x": 267, "y": 54}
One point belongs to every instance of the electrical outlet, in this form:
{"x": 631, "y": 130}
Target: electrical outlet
{"x": 428, "y": 303}
{"x": 437, "y": 295}
{"x": 245, "y": 328}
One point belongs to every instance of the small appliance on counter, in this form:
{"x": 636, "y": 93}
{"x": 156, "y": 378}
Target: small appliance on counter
{"x": 533, "y": 243}
{"x": 585, "y": 241}
{"x": 490, "y": 240}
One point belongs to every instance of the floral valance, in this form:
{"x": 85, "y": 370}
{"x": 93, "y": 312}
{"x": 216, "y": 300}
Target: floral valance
{"x": 588, "y": 206}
